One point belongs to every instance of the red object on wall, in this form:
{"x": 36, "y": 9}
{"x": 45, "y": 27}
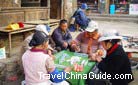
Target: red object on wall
{"x": 12, "y": 78}
{"x": 21, "y": 24}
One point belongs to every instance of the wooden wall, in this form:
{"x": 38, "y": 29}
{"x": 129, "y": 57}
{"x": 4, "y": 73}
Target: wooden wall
{"x": 9, "y": 15}
{"x": 10, "y": 3}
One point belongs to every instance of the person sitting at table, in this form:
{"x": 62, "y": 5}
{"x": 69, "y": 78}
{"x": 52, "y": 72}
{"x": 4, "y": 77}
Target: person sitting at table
{"x": 38, "y": 64}
{"x": 25, "y": 45}
{"x": 62, "y": 36}
{"x": 116, "y": 61}
{"x": 87, "y": 42}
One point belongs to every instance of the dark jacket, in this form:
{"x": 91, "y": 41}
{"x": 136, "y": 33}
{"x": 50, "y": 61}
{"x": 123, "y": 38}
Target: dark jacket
{"x": 117, "y": 63}
{"x": 51, "y": 42}
{"x": 134, "y": 1}
{"x": 59, "y": 37}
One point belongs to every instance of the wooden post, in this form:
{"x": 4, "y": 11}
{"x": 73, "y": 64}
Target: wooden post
{"x": 59, "y": 9}
{"x": 48, "y": 5}
{"x": 62, "y": 8}
{"x": 107, "y": 6}
{"x": 99, "y": 6}
{"x": 106, "y": 9}
{"x": 10, "y": 45}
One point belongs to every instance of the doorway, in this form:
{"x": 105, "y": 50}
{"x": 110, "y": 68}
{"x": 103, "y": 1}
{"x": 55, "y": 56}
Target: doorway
{"x": 43, "y": 3}
{"x": 56, "y": 9}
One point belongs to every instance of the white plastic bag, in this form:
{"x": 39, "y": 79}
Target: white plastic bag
{"x": 2, "y": 53}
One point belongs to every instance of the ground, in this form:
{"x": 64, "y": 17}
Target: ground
{"x": 125, "y": 28}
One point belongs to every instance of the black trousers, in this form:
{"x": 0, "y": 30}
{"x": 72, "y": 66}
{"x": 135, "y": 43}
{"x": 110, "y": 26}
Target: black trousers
{"x": 98, "y": 82}
{"x": 96, "y": 71}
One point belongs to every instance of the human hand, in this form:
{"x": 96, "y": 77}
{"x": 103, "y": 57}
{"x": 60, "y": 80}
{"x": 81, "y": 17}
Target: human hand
{"x": 49, "y": 52}
{"x": 65, "y": 44}
{"x": 100, "y": 52}
{"x": 75, "y": 48}
{"x": 53, "y": 57}
{"x": 98, "y": 59}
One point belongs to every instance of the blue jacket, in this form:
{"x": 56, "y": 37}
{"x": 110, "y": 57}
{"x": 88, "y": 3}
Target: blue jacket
{"x": 59, "y": 37}
{"x": 81, "y": 18}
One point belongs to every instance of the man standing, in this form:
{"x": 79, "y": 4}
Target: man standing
{"x": 62, "y": 36}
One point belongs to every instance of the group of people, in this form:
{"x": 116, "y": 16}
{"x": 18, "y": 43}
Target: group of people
{"x": 103, "y": 48}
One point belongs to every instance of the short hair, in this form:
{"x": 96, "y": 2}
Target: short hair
{"x": 63, "y": 21}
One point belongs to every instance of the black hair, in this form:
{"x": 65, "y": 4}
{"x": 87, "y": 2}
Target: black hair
{"x": 113, "y": 41}
{"x": 38, "y": 38}
{"x": 63, "y": 21}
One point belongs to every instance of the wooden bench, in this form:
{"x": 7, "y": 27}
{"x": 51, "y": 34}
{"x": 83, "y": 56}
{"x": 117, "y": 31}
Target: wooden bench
{"x": 9, "y": 33}
{"x": 50, "y": 22}
{"x": 28, "y": 26}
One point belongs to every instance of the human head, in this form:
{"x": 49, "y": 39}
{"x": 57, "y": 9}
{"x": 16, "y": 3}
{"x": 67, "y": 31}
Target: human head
{"x": 92, "y": 29}
{"x": 84, "y": 6}
{"x": 42, "y": 28}
{"x": 63, "y": 25}
{"x": 39, "y": 39}
{"x": 92, "y": 34}
{"x": 107, "y": 44}
{"x": 109, "y": 38}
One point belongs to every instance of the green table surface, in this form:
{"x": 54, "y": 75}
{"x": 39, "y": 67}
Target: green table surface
{"x": 62, "y": 61}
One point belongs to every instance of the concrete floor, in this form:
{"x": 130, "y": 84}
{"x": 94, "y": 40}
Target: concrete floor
{"x": 135, "y": 73}
{"x": 124, "y": 28}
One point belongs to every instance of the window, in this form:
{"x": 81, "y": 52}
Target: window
{"x": 34, "y": 3}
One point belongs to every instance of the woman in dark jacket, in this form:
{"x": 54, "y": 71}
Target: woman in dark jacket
{"x": 116, "y": 62}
